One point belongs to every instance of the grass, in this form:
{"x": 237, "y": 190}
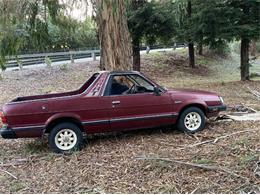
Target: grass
{"x": 247, "y": 158}
{"x": 35, "y": 147}
{"x": 202, "y": 161}
{"x": 17, "y": 186}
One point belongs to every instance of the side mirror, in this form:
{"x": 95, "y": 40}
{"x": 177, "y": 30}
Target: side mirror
{"x": 156, "y": 91}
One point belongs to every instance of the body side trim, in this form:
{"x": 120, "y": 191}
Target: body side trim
{"x": 96, "y": 122}
{"x": 145, "y": 117}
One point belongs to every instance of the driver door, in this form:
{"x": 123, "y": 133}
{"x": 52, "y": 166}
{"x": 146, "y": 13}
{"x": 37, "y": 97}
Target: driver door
{"x": 131, "y": 109}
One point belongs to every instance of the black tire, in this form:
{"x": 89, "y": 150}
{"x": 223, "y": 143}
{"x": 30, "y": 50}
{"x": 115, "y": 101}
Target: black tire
{"x": 181, "y": 122}
{"x": 74, "y": 131}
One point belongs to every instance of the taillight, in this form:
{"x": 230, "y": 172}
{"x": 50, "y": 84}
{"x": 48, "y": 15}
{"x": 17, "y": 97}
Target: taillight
{"x": 2, "y": 118}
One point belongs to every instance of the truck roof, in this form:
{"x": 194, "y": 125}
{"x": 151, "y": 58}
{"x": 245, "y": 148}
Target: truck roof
{"x": 119, "y": 72}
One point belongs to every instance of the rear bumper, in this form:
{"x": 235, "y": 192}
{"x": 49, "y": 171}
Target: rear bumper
{"x": 217, "y": 108}
{"x": 7, "y": 133}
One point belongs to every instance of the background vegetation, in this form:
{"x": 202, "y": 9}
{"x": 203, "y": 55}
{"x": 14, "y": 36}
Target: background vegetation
{"x": 30, "y": 26}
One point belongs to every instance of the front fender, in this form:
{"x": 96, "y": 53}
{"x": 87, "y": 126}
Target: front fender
{"x": 180, "y": 106}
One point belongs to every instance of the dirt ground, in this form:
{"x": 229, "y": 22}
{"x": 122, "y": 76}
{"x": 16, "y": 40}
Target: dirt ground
{"x": 139, "y": 161}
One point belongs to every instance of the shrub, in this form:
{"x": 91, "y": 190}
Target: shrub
{"x": 48, "y": 62}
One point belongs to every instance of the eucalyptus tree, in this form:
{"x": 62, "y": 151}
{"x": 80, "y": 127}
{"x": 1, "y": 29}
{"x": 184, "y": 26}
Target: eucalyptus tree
{"x": 113, "y": 34}
{"x": 11, "y": 28}
{"x": 24, "y": 23}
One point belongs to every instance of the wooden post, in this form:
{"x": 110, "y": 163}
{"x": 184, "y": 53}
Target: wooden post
{"x": 71, "y": 58}
{"x": 1, "y": 74}
{"x": 94, "y": 56}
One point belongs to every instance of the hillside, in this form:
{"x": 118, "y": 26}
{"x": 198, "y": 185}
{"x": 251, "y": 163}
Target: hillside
{"x": 140, "y": 161}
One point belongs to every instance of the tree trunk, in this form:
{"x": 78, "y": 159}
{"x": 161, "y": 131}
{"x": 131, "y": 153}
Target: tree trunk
{"x": 191, "y": 55}
{"x": 114, "y": 37}
{"x": 136, "y": 55}
{"x": 191, "y": 44}
{"x": 244, "y": 63}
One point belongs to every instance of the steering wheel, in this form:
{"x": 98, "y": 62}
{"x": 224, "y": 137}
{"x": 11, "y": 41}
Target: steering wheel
{"x": 132, "y": 90}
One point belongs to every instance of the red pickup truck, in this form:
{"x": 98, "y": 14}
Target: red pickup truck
{"x": 108, "y": 101}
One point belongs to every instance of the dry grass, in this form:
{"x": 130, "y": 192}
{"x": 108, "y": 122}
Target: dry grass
{"x": 108, "y": 163}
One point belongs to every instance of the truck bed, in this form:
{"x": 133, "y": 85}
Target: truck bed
{"x": 56, "y": 95}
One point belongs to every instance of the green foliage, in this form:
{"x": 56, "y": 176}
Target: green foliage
{"x": 151, "y": 21}
{"x": 221, "y": 49}
{"x": 41, "y": 26}
{"x": 216, "y": 22}
{"x": 48, "y": 62}
{"x": 64, "y": 67}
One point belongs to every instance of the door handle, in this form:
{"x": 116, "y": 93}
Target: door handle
{"x": 116, "y": 102}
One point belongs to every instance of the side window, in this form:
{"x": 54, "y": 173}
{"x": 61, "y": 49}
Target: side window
{"x": 144, "y": 86}
{"x": 120, "y": 85}
{"x": 128, "y": 84}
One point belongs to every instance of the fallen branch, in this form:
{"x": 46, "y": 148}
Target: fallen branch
{"x": 216, "y": 139}
{"x": 200, "y": 166}
{"x": 22, "y": 161}
{"x": 15, "y": 163}
{"x": 254, "y": 92}
{"x": 10, "y": 174}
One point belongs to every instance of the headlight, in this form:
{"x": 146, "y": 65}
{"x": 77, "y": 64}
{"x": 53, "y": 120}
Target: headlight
{"x": 221, "y": 99}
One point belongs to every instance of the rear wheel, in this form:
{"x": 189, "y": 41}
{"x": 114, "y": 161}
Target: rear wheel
{"x": 65, "y": 137}
{"x": 192, "y": 120}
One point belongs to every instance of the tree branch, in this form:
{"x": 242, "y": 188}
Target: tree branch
{"x": 217, "y": 139}
{"x": 200, "y": 166}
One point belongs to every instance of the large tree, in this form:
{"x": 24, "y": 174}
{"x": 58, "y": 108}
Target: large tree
{"x": 220, "y": 21}
{"x": 24, "y": 24}
{"x": 183, "y": 15}
{"x": 149, "y": 21}
{"x": 246, "y": 27}
{"x": 114, "y": 36}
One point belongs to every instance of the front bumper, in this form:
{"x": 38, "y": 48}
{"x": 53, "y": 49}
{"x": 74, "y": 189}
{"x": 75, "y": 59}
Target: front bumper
{"x": 7, "y": 133}
{"x": 217, "y": 108}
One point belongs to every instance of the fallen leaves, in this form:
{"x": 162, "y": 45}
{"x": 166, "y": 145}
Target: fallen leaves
{"x": 108, "y": 163}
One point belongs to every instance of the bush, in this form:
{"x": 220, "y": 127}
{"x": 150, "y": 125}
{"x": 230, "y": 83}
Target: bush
{"x": 48, "y": 62}
{"x": 221, "y": 49}
{"x": 64, "y": 67}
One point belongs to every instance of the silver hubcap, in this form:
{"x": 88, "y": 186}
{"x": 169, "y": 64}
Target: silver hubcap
{"x": 66, "y": 139}
{"x": 192, "y": 121}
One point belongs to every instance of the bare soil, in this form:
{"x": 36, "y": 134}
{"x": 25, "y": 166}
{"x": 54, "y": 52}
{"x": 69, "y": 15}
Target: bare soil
{"x": 109, "y": 163}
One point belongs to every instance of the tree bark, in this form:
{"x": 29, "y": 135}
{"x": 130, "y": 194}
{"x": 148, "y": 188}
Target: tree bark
{"x": 114, "y": 37}
{"x": 136, "y": 55}
{"x": 244, "y": 60}
{"x": 191, "y": 55}
{"x": 191, "y": 44}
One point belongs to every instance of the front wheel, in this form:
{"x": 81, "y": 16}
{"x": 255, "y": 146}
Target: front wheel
{"x": 192, "y": 120}
{"x": 65, "y": 137}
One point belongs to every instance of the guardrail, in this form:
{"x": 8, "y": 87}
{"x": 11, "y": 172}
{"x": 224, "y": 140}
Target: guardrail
{"x": 34, "y": 59}
{"x": 40, "y": 58}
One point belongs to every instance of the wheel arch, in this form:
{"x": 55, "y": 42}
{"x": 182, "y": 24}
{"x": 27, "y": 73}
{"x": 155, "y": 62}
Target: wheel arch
{"x": 198, "y": 105}
{"x": 53, "y": 121}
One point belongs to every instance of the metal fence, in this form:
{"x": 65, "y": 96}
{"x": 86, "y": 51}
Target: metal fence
{"x": 40, "y": 58}
{"x": 34, "y": 59}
